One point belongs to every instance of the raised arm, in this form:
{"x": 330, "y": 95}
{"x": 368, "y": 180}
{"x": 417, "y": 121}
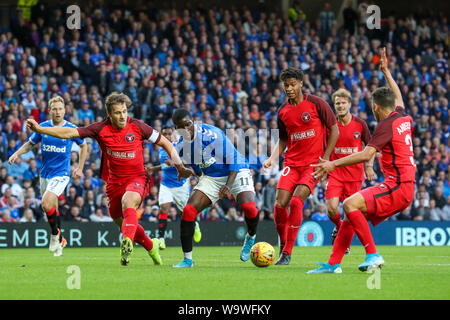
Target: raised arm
{"x": 389, "y": 79}
{"x": 57, "y": 132}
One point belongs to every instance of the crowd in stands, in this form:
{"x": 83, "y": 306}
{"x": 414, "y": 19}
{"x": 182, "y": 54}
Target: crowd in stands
{"x": 223, "y": 65}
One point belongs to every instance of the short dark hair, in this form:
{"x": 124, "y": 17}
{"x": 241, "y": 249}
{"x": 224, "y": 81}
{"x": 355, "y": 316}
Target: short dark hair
{"x": 180, "y": 114}
{"x": 165, "y": 127}
{"x": 291, "y": 73}
{"x": 384, "y": 97}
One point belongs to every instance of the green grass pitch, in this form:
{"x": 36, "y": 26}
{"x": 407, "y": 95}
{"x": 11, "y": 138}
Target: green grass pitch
{"x": 409, "y": 273}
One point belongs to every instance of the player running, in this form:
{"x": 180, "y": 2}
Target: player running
{"x": 121, "y": 140}
{"x": 393, "y": 138}
{"x": 224, "y": 172}
{"x": 55, "y": 169}
{"x": 171, "y": 190}
{"x": 303, "y": 121}
{"x": 353, "y": 136}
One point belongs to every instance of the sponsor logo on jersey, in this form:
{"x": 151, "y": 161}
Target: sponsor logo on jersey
{"x": 306, "y": 116}
{"x": 345, "y": 150}
{"x": 303, "y": 135}
{"x": 405, "y": 126}
{"x": 52, "y": 148}
{"x": 130, "y": 137}
{"x": 356, "y": 135}
{"x": 121, "y": 154}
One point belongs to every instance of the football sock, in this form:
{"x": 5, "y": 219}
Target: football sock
{"x": 142, "y": 238}
{"x": 130, "y": 223}
{"x": 362, "y": 230}
{"x": 188, "y": 255}
{"x": 294, "y": 222}
{"x": 251, "y": 217}
{"x": 342, "y": 242}
{"x": 280, "y": 217}
{"x": 58, "y": 224}
{"x": 336, "y": 220}
{"x": 52, "y": 220}
{"x": 162, "y": 224}
{"x": 187, "y": 227}
{"x": 186, "y": 234}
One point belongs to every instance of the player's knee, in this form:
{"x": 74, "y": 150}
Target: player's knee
{"x": 332, "y": 210}
{"x": 47, "y": 205}
{"x": 348, "y": 205}
{"x": 189, "y": 213}
{"x": 249, "y": 209}
{"x": 130, "y": 202}
{"x": 296, "y": 203}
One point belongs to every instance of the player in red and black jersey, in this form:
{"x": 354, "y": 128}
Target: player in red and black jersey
{"x": 353, "y": 137}
{"x": 303, "y": 122}
{"x": 121, "y": 140}
{"x": 393, "y": 138}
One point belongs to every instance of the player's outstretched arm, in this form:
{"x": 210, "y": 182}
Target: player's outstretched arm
{"x": 57, "y": 132}
{"x": 389, "y": 79}
{"x": 183, "y": 172}
{"x": 324, "y": 166}
{"x": 27, "y": 146}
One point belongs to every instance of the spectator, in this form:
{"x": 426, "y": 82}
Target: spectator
{"x": 28, "y": 216}
{"x": 98, "y": 216}
{"x": 321, "y": 214}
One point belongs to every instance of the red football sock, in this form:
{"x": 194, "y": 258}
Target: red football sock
{"x": 294, "y": 222}
{"x": 142, "y": 238}
{"x": 280, "y": 217}
{"x": 362, "y": 230}
{"x": 129, "y": 224}
{"x": 336, "y": 220}
{"x": 342, "y": 242}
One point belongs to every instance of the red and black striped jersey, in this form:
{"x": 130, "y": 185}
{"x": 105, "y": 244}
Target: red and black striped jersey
{"x": 352, "y": 137}
{"x": 303, "y": 127}
{"x": 122, "y": 149}
{"x": 393, "y": 137}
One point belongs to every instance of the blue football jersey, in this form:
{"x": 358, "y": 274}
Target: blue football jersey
{"x": 55, "y": 151}
{"x": 169, "y": 176}
{"x": 211, "y": 152}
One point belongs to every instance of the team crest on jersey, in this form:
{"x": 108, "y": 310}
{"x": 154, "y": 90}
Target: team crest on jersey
{"x": 382, "y": 186}
{"x": 306, "y": 116}
{"x": 356, "y": 135}
{"x": 130, "y": 137}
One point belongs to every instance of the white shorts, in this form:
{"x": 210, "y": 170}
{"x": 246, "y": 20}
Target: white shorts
{"x": 55, "y": 185}
{"x": 179, "y": 195}
{"x": 210, "y": 186}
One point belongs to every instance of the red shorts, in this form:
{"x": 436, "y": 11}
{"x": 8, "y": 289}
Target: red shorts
{"x": 291, "y": 177}
{"x": 387, "y": 199}
{"x": 341, "y": 189}
{"x": 116, "y": 190}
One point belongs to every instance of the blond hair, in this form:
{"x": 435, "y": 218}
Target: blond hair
{"x": 55, "y": 100}
{"x": 342, "y": 93}
{"x": 116, "y": 98}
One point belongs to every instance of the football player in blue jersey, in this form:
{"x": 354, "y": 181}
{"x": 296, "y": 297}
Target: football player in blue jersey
{"x": 171, "y": 189}
{"x": 55, "y": 170}
{"x": 223, "y": 172}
